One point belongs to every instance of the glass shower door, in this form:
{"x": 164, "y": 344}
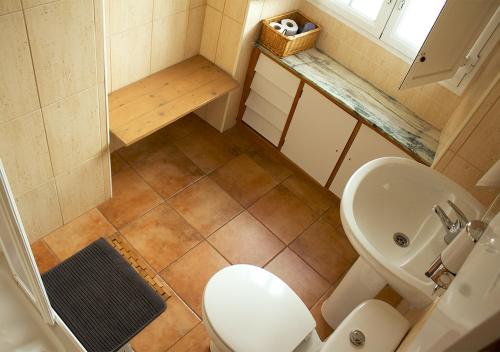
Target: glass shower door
{"x": 16, "y": 249}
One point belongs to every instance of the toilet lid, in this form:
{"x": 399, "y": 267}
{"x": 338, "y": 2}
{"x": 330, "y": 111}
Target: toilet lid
{"x": 251, "y": 310}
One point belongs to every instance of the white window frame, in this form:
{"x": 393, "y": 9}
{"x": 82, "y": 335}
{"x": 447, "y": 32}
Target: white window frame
{"x": 374, "y": 31}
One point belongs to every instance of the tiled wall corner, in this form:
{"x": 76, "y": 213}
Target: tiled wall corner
{"x": 194, "y": 33}
{"x": 149, "y": 36}
{"x": 210, "y": 36}
{"x": 58, "y": 60}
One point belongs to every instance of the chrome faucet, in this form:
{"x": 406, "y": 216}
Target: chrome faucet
{"x": 452, "y": 228}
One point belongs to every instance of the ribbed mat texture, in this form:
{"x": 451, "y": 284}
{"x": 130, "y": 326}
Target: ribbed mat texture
{"x": 101, "y": 298}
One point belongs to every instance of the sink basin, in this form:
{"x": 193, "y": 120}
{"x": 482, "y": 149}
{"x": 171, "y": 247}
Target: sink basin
{"x": 395, "y": 195}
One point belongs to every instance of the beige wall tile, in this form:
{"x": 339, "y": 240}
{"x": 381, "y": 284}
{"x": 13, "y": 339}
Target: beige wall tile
{"x": 127, "y": 14}
{"x": 196, "y": 3}
{"x": 467, "y": 175}
{"x": 32, "y": 3}
{"x": 211, "y": 30}
{"x": 130, "y": 56}
{"x": 276, "y": 7}
{"x": 218, "y": 4}
{"x": 169, "y": 38}
{"x": 81, "y": 188}
{"x": 236, "y": 9}
{"x": 73, "y": 130}
{"x": 100, "y": 39}
{"x": 18, "y": 94}
{"x": 8, "y": 6}
{"x": 229, "y": 44}
{"x": 24, "y": 152}
{"x": 196, "y": 18}
{"x": 164, "y": 8}
{"x": 482, "y": 148}
{"x": 40, "y": 211}
{"x": 62, "y": 40}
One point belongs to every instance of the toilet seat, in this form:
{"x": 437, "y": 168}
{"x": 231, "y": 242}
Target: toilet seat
{"x": 249, "y": 309}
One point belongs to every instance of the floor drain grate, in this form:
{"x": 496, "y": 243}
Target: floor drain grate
{"x": 401, "y": 239}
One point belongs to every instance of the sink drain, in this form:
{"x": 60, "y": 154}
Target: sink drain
{"x": 401, "y": 239}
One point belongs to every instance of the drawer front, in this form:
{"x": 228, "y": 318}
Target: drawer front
{"x": 277, "y": 74}
{"x": 368, "y": 145}
{"x": 272, "y": 92}
{"x": 259, "y": 124}
{"x": 266, "y": 110}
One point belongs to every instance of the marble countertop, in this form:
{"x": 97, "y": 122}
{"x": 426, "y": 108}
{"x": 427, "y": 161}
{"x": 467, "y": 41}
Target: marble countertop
{"x": 364, "y": 101}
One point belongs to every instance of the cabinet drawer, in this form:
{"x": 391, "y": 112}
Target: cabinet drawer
{"x": 266, "y": 110}
{"x": 368, "y": 145}
{"x": 272, "y": 92}
{"x": 317, "y": 135}
{"x": 259, "y": 124}
{"x": 277, "y": 74}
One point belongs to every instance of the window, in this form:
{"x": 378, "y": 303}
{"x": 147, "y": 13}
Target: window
{"x": 402, "y": 27}
{"x": 400, "y": 24}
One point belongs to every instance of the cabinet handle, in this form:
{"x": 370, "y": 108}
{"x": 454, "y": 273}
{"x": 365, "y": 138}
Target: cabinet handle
{"x": 401, "y": 4}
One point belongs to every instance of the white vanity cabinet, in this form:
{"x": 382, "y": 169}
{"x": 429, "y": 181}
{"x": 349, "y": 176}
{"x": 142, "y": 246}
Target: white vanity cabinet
{"x": 368, "y": 145}
{"x": 317, "y": 135}
{"x": 271, "y": 97}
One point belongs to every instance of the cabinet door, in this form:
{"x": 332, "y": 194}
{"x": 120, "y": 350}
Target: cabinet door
{"x": 317, "y": 135}
{"x": 367, "y": 146}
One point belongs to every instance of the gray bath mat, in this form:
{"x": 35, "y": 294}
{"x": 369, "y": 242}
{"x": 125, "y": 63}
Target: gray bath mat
{"x": 102, "y": 300}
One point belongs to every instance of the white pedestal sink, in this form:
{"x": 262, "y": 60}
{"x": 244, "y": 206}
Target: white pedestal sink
{"x": 384, "y": 197}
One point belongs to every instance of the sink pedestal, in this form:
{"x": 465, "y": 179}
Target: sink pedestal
{"x": 360, "y": 283}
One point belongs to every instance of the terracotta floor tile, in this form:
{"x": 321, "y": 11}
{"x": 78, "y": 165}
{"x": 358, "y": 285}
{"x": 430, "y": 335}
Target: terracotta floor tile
{"x": 117, "y": 163}
{"x": 161, "y": 236}
{"x": 283, "y": 213}
{"x": 44, "y": 257}
{"x": 167, "y": 329}
{"x": 77, "y": 234}
{"x": 207, "y": 149}
{"x": 205, "y": 206}
{"x": 308, "y": 285}
{"x": 184, "y": 126}
{"x": 332, "y": 215}
{"x": 132, "y": 197}
{"x": 387, "y": 294}
{"x": 244, "y": 240}
{"x": 197, "y": 340}
{"x": 316, "y": 197}
{"x": 244, "y": 179}
{"x": 326, "y": 250}
{"x": 324, "y": 330}
{"x": 189, "y": 275}
{"x": 271, "y": 164}
{"x": 144, "y": 147}
{"x": 241, "y": 137}
{"x": 168, "y": 170}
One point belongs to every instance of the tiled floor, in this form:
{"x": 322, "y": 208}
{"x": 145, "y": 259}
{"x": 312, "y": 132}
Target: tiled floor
{"x": 191, "y": 201}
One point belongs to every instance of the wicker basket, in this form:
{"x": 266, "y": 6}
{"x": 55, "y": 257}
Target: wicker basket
{"x": 283, "y": 45}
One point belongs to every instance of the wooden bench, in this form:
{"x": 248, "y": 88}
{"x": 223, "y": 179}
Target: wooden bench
{"x": 139, "y": 109}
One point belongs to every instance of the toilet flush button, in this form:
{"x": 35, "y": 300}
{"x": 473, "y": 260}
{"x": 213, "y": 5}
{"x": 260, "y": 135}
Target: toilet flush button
{"x": 357, "y": 338}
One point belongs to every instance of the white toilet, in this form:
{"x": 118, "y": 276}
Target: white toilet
{"x": 248, "y": 309}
